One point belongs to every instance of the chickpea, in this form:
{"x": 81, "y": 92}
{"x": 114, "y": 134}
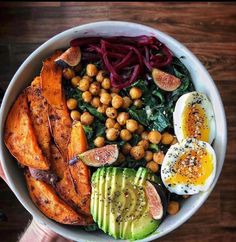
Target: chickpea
{"x": 173, "y": 207}
{"x": 75, "y": 81}
{"x": 126, "y": 102}
{"x": 125, "y": 135}
{"x": 72, "y": 103}
{"x": 95, "y": 102}
{"x": 126, "y": 148}
{"x": 100, "y": 76}
{"x": 148, "y": 155}
{"x": 175, "y": 141}
{"x": 102, "y": 91}
{"x": 87, "y": 96}
{"x": 115, "y": 90}
{"x": 135, "y": 93}
{"x": 91, "y": 70}
{"x": 95, "y": 88}
{"x": 153, "y": 166}
{"x": 154, "y": 137}
{"x": 138, "y": 103}
{"x": 158, "y": 157}
{"x": 83, "y": 85}
{"x": 105, "y": 98}
{"x": 68, "y": 73}
{"x": 166, "y": 138}
{"x": 140, "y": 129}
{"x": 122, "y": 118}
{"x": 131, "y": 125}
{"x": 112, "y": 134}
{"x": 99, "y": 142}
{"x": 113, "y": 94}
{"x": 86, "y": 118}
{"x": 144, "y": 135}
{"x": 75, "y": 115}
{"x": 111, "y": 112}
{"x": 110, "y": 123}
{"x": 87, "y": 77}
{"x": 117, "y": 101}
{"x": 144, "y": 143}
{"x": 137, "y": 152}
{"x": 117, "y": 126}
{"x": 106, "y": 83}
{"x": 102, "y": 108}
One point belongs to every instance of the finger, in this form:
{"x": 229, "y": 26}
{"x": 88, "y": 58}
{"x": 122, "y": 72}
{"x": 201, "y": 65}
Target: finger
{"x": 2, "y": 175}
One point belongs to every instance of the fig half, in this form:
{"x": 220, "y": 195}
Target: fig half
{"x": 98, "y": 157}
{"x": 165, "y": 81}
{"x": 154, "y": 201}
{"x": 71, "y": 57}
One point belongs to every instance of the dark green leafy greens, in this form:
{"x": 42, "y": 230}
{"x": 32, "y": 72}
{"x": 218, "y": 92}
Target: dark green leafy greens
{"x": 158, "y": 105}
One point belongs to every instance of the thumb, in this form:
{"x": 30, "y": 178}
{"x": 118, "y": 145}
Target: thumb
{"x": 2, "y": 175}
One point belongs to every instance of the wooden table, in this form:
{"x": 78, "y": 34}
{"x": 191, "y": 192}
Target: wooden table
{"x": 207, "y": 29}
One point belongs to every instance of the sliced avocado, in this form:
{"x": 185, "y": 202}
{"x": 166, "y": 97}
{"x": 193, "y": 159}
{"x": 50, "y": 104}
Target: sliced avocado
{"x": 154, "y": 178}
{"x": 101, "y": 193}
{"x": 116, "y": 185}
{"x": 95, "y": 194}
{"x": 107, "y": 203}
{"x": 121, "y": 209}
{"x": 144, "y": 226}
{"x": 131, "y": 197}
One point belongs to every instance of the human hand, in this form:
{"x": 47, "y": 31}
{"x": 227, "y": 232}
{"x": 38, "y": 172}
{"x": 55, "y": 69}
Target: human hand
{"x": 2, "y": 175}
{"x": 35, "y": 231}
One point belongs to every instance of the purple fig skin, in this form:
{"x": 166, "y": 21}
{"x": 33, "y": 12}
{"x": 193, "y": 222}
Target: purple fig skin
{"x": 45, "y": 176}
{"x": 163, "y": 197}
{"x": 71, "y": 57}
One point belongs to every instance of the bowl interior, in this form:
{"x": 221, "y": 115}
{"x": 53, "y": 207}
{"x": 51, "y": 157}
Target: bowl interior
{"x": 31, "y": 67}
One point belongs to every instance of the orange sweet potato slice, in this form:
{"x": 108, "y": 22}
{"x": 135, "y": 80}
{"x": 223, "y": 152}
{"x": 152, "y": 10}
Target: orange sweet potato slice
{"x": 20, "y": 138}
{"x": 51, "y": 78}
{"x": 52, "y": 90}
{"x": 60, "y": 126}
{"x": 65, "y": 187}
{"x": 39, "y": 115}
{"x": 79, "y": 171}
{"x": 78, "y": 141}
{"x": 50, "y": 204}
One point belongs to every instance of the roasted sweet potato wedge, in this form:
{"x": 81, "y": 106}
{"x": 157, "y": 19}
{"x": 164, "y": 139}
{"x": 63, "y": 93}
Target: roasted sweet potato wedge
{"x": 79, "y": 171}
{"x": 66, "y": 187}
{"x": 52, "y": 90}
{"x": 20, "y": 137}
{"x": 78, "y": 140}
{"x": 50, "y": 204}
{"x": 39, "y": 116}
{"x": 51, "y": 78}
{"x": 60, "y": 125}
{"x": 57, "y": 162}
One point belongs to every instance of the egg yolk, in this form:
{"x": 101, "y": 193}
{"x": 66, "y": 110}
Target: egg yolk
{"x": 192, "y": 167}
{"x": 195, "y": 123}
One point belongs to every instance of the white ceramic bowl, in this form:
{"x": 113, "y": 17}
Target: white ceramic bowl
{"x": 31, "y": 67}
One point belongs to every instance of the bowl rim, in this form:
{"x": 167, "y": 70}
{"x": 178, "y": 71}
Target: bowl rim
{"x": 168, "y": 39}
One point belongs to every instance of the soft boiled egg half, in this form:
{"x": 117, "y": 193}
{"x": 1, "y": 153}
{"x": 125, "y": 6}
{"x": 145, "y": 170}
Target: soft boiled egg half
{"x": 189, "y": 167}
{"x": 194, "y": 117}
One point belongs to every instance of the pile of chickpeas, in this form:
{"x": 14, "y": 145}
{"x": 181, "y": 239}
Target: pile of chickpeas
{"x": 96, "y": 90}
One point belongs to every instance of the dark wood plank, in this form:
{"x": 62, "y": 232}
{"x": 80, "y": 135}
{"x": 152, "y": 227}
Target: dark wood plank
{"x": 207, "y": 29}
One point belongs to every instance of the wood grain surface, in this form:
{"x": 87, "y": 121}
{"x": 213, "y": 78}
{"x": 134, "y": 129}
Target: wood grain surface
{"x": 207, "y": 29}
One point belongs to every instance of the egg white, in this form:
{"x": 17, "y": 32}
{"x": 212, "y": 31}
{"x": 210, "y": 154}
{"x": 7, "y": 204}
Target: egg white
{"x": 173, "y": 154}
{"x": 188, "y": 99}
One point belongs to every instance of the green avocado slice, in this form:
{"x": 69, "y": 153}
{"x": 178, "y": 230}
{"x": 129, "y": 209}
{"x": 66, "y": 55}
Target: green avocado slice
{"x": 119, "y": 204}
